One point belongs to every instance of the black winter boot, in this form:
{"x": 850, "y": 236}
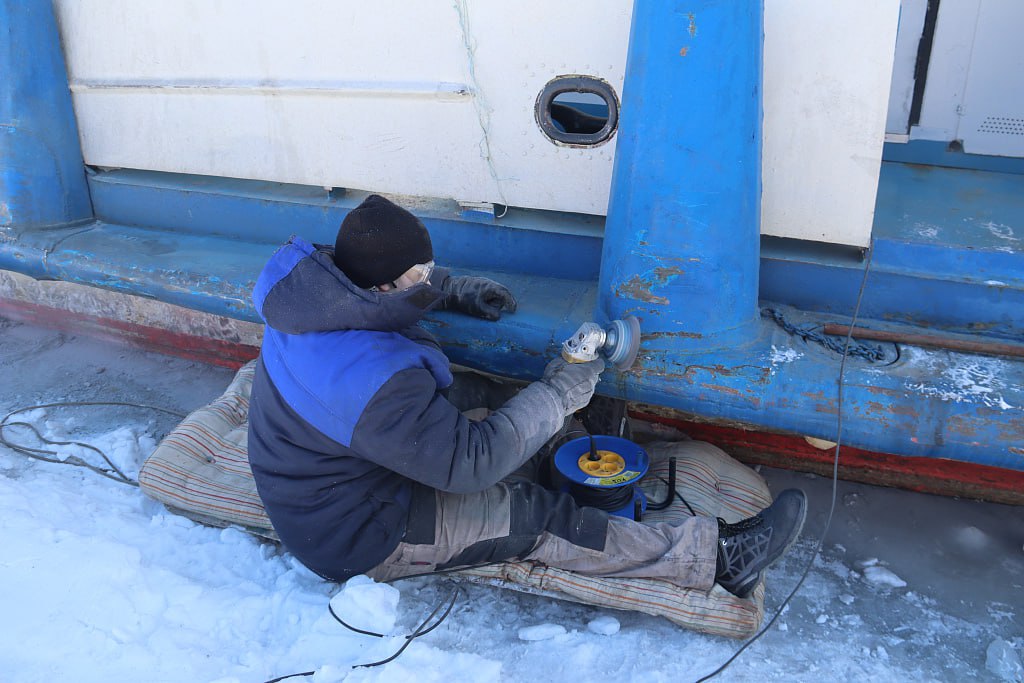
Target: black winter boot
{"x": 748, "y": 547}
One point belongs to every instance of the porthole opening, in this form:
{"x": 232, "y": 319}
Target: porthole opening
{"x": 577, "y": 111}
{"x": 583, "y": 113}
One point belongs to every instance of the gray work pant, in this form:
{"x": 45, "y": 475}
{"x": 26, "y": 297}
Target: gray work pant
{"x": 521, "y": 520}
{"x": 518, "y": 519}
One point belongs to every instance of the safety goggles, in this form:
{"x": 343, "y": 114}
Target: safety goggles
{"x": 416, "y": 275}
{"x": 421, "y": 272}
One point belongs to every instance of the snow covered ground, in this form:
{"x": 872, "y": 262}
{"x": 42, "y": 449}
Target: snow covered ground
{"x": 99, "y": 583}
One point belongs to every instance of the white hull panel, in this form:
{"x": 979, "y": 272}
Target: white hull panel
{"x": 437, "y": 99}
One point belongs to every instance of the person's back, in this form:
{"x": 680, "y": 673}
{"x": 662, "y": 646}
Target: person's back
{"x": 326, "y": 374}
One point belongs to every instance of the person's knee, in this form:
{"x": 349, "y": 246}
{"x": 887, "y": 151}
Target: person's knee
{"x": 536, "y": 510}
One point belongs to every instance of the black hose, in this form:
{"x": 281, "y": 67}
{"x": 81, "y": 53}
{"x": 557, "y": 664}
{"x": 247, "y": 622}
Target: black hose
{"x": 671, "y": 495}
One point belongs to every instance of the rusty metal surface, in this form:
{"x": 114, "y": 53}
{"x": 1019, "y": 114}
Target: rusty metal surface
{"x": 929, "y": 340}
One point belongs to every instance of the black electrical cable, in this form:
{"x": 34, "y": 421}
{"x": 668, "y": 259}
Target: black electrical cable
{"x": 449, "y": 570}
{"x": 420, "y": 631}
{"x": 671, "y": 493}
{"x": 607, "y": 498}
{"x": 835, "y": 477}
{"x": 364, "y": 632}
{"x": 114, "y": 472}
{"x": 285, "y": 678}
{"x": 680, "y": 497}
{"x": 350, "y": 627}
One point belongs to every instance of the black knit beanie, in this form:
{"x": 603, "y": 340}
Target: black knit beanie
{"x": 378, "y": 241}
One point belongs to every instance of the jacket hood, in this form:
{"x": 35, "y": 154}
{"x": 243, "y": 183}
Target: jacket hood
{"x": 301, "y": 290}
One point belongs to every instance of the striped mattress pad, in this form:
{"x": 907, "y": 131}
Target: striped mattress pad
{"x": 201, "y": 470}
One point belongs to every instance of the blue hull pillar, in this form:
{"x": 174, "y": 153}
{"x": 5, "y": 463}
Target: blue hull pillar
{"x": 681, "y": 248}
{"x": 42, "y": 175}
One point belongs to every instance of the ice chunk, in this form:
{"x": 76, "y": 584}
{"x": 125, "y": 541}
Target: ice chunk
{"x": 846, "y": 599}
{"x": 971, "y": 539}
{"x": 882, "y": 576}
{"x": 1002, "y": 660}
{"x": 541, "y": 632}
{"x": 822, "y": 618}
{"x": 605, "y": 626}
{"x": 366, "y": 604}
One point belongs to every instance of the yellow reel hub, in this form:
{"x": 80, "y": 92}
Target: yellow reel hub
{"x": 608, "y": 464}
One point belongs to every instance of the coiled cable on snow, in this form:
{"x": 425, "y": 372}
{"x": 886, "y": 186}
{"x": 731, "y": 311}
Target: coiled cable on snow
{"x": 112, "y": 471}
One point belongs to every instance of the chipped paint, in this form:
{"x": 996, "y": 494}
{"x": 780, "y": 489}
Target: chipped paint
{"x": 663, "y": 274}
{"x": 903, "y": 409}
{"x": 883, "y": 391}
{"x": 957, "y": 426}
{"x": 731, "y": 391}
{"x": 758, "y": 376}
{"x": 875, "y": 406}
{"x": 671, "y": 335}
{"x": 639, "y": 288}
{"x": 636, "y": 288}
{"x": 819, "y": 402}
{"x": 692, "y": 27}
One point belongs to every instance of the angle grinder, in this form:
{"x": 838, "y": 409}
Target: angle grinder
{"x": 604, "y": 471}
{"x": 619, "y": 342}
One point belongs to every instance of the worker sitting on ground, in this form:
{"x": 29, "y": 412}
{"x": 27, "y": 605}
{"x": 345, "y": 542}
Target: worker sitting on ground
{"x": 366, "y": 467}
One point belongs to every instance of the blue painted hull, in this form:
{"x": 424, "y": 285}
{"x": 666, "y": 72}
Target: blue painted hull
{"x": 695, "y": 271}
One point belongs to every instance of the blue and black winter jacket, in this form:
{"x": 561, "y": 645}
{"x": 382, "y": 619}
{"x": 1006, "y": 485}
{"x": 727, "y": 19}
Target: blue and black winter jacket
{"x": 347, "y": 417}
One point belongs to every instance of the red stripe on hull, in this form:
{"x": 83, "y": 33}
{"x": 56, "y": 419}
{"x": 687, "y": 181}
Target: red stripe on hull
{"x": 928, "y": 475}
{"x": 191, "y": 347}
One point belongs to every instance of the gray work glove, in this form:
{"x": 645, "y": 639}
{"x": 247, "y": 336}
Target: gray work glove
{"x": 477, "y": 296}
{"x": 538, "y": 411}
{"x": 573, "y": 382}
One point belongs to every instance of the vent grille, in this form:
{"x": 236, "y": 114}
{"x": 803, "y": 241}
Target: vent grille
{"x": 1002, "y": 125}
